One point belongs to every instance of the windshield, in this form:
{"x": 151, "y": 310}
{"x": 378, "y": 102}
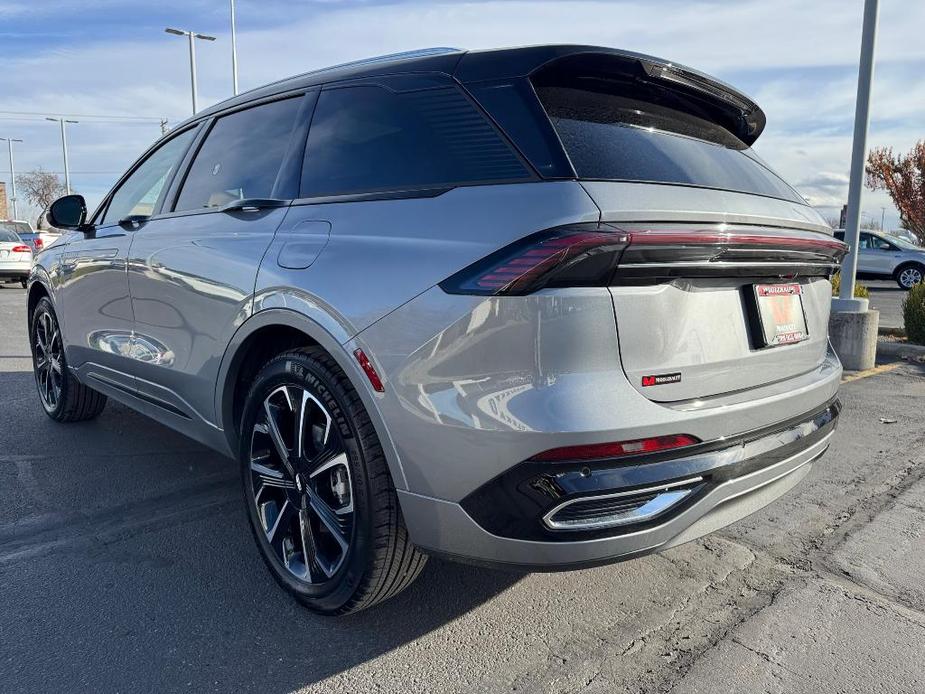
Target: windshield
{"x": 7, "y": 236}
{"x": 902, "y": 243}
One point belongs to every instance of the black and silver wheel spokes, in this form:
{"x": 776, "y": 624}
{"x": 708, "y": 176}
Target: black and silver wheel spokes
{"x": 48, "y": 359}
{"x": 301, "y": 484}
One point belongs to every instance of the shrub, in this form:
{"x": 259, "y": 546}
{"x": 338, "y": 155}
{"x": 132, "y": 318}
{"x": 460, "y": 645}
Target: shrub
{"x": 860, "y": 291}
{"x": 914, "y": 314}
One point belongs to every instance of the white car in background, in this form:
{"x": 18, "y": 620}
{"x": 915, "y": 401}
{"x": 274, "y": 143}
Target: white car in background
{"x": 883, "y": 256}
{"x": 15, "y": 257}
{"x": 36, "y": 239}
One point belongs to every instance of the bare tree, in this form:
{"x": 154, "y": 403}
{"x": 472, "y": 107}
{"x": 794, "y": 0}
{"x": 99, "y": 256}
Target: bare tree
{"x": 41, "y": 188}
{"x": 903, "y": 177}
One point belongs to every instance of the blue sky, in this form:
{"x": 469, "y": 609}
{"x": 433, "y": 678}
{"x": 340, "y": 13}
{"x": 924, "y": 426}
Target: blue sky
{"x": 112, "y": 58}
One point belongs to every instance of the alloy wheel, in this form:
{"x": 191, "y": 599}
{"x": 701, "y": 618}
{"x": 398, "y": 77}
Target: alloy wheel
{"x": 301, "y": 485}
{"x": 48, "y": 359}
{"x": 910, "y": 277}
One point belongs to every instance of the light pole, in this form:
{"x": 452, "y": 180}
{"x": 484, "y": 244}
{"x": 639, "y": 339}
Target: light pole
{"x": 852, "y": 323}
{"x": 846, "y": 300}
{"x": 67, "y": 173}
{"x": 882, "y": 215}
{"x": 192, "y": 36}
{"x": 234, "y": 54}
{"x": 9, "y": 142}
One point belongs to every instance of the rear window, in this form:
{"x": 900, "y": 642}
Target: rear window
{"x": 366, "y": 139}
{"x": 615, "y": 138}
{"x": 7, "y": 236}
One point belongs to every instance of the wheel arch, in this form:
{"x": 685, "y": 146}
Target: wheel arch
{"x": 285, "y": 329}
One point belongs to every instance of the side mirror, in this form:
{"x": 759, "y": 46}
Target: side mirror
{"x": 69, "y": 212}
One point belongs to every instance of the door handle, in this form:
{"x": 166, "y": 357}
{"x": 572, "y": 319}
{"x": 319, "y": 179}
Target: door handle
{"x": 254, "y": 204}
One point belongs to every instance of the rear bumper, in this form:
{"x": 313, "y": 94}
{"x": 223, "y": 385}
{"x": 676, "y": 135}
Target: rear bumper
{"x": 14, "y": 273}
{"x": 733, "y": 481}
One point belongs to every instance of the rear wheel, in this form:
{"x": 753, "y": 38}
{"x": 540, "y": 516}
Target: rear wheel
{"x": 24, "y": 282}
{"x": 907, "y": 276}
{"x": 320, "y": 499}
{"x": 63, "y": 397}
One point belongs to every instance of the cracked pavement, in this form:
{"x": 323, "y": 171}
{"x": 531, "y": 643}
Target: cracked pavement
{"x": 126, "y": 564}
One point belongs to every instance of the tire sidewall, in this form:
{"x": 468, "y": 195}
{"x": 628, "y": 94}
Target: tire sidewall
{"x": 45, "y": 306}
{"x": 302, "y": 371}
{"x": 903, "y": 268}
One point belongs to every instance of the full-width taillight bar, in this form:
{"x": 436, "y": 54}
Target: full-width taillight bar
{"x": 601, "y": 254}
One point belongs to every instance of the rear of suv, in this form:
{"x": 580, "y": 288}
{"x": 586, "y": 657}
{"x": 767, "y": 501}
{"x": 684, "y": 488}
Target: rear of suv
{"x": 541, "y": 308}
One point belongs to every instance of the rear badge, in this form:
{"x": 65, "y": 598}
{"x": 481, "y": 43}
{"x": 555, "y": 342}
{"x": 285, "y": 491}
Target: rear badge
{"x": 660, "y": 380}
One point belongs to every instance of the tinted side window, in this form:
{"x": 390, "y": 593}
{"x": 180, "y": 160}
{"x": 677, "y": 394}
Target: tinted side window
{"x": 366, "y": 139}
{"x": 139, "y": 193}
{"x": 240, "y": 157}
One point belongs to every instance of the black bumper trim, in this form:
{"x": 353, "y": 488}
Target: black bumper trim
{"x": 513, "y": 504}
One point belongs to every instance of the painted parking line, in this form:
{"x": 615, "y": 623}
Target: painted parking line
{"x": 882, "y": 369}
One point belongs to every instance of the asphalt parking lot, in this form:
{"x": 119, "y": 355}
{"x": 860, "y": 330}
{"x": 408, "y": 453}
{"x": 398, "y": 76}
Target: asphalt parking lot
{"x": 887, "y": 297}
{"x": 126, "y": 565}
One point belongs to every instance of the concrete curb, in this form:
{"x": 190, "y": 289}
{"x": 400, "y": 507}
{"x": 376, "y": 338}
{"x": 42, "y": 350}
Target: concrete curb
{"x": 901, "y": 350}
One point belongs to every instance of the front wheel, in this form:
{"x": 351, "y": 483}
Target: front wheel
{"x": 319, "y": 496}
{"x": 908, "y": 276}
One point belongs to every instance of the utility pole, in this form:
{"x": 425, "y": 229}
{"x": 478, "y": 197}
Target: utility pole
{"x": 192, "y": 36}
{"x": 9, "y": 142}
{"x": 882, "y": 216}
{"x": 163, "y": 126}
{"x": 852, "y": 323}
{"x": 67, "y": 173}
{"x": 858, "y": 155}
{"x": 234, "y": 53}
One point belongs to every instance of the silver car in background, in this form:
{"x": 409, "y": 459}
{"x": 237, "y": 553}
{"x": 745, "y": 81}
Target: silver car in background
{"x": 884, "y": 256}
{"x": 539, "y": 308}
{"x": 15, "y": 257}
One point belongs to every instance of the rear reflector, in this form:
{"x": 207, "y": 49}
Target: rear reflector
{"x": 20, "y": 249}
{"x": 369, "y": 370}
{"x": 585, "y": 255}
{"x": 616, "y": 450}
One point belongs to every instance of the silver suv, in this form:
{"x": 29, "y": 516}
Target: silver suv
{"x": 538, "y": 307}
{"x": 884, "y": 256}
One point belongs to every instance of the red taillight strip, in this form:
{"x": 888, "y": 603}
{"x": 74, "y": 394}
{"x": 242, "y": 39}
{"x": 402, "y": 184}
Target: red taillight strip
{"x": 709, "y": 238}
{"x": 521, "y": 270}
{"x": 20, "y": 249}
{"x": 619, "y": 449}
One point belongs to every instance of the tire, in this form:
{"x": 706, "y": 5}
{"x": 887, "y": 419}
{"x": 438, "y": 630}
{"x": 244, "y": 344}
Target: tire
{"x": 319, "y": 496}
{"x": 24, "y": 283}
{"x": 909, "y": 275}
{"x": 63, "y": 397}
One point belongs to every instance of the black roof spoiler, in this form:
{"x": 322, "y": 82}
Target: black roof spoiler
{"x": 511, "y": 63}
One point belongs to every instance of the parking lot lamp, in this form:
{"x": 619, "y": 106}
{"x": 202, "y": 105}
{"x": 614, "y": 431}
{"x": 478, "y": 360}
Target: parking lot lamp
{"x": 192, "y": 36}
{"x": 67, "y": 173}
{"x": 9, "y": 142}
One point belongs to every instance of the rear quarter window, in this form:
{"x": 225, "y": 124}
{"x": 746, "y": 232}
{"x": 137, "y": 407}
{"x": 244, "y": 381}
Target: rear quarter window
{"x": 368, "y": 139}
